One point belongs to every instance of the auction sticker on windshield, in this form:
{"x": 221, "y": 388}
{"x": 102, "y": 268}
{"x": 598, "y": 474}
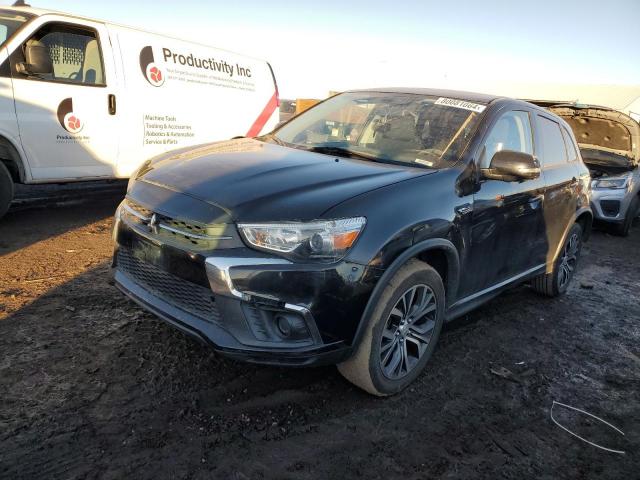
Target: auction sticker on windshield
{"x": 452, "y": 102}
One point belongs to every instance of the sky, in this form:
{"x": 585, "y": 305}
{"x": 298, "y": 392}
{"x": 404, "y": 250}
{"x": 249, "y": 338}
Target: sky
{"x": 321, "y": 46}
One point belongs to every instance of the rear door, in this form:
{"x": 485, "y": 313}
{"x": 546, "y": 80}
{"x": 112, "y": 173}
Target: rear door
{"x": 66, "y": 124}
{"x": 561, "y": 176}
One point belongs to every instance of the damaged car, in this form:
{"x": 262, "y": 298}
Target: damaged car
{"x": 351, "y": 233}
{"x": 609, "y": 143}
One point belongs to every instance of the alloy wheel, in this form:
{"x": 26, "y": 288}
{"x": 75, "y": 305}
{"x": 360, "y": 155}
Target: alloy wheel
{"x": 408, "y": 331}
{"x": 569, "y": 261}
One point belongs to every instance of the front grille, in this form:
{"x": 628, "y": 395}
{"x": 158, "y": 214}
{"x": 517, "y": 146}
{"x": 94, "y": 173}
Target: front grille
{"x": 610, "y": 208}
{"x": 176, "y": 231}
{"x": 185, "y": 295}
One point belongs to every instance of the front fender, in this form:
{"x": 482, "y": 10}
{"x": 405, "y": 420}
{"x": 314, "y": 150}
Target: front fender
{"x": 451, "y": 287}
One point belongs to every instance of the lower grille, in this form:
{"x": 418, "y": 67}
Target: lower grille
{"x": 183, "y": 294}
{"x": 610, "y": 208}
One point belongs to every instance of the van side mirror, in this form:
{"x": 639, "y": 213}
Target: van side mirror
{"x": 511, "y": 166}
{"x": 37, "y": 59}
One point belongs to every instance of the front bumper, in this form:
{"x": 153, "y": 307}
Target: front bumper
{"x": 231, "y": 299}
{"x": 610, "y": 205}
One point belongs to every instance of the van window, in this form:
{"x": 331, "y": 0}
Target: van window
{"x": 571, "y": 149}
{"x": 512, "y": 131}
{"x": 75, "y": 54}
{"x": 9, "y": 23}
{"x": 554, "y": 151}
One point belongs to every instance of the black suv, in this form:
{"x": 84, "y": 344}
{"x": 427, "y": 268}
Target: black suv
{"x": 352, "y": 232}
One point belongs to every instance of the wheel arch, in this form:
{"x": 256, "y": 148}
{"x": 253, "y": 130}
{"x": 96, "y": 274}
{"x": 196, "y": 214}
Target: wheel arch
{"x": 10, "y": 156}
{"x": 584, "y": 218}
{"x": 439, "y": 253}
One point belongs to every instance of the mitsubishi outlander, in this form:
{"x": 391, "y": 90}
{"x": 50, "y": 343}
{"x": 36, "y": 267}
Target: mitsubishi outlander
{"x": 351, "y": 233}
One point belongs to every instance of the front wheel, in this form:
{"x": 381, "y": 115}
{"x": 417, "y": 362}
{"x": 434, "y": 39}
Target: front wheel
{"x": 401, "y": 334}
{"x": 556, "y": 283}
{"x": 6, "y": 189}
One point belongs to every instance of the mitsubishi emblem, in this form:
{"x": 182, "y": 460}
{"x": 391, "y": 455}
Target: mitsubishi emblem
{"x": 153, "y": 224}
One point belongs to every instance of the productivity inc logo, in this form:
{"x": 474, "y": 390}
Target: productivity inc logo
{"x": 152, "y": 72}
{"x": 69, "y": 120}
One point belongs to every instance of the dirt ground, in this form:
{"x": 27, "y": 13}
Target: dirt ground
{"x": 91, "y": 386}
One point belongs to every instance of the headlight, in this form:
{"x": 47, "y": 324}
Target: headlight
{"x": 611, "y": 182}
{"x": 326, "y": 241}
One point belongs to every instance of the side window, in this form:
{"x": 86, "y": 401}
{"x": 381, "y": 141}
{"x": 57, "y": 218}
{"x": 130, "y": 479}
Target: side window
{"x": 571, "y": 148}
{"x": 74, "y": 52}
{"x": 512, "y": 131}
{"x": 554, "y": 151}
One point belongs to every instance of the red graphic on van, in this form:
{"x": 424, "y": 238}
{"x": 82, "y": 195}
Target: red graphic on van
{"x": 73, "y": 123}
{"x": 150, "y": 70}
{"x": 155, "y": 74}
{"x": 68, "y": 120}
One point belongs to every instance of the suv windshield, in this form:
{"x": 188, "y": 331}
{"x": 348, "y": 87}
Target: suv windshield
{"x": 413, "y": 129}
{"x": 9, "y": 23}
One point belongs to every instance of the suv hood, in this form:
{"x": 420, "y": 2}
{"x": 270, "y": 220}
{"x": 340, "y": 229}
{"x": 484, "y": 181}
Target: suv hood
{"x": 608, "y": 139}
{"x": 250, "y": 180}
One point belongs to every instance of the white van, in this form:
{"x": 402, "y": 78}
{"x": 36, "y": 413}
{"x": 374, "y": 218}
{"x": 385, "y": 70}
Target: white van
{"x": 82, "y": 99}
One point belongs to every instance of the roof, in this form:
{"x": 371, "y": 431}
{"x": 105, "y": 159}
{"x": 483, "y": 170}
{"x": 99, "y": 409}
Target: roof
{"x": 568, "y": 104}
{"x": 35, "y": 11}
{"x": 40, "y": 12}
{"x": 436, "y": 92}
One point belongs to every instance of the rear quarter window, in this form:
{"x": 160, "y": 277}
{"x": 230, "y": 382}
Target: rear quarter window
{"x": 554, "y": 151}
{"x": 572, "y": 153}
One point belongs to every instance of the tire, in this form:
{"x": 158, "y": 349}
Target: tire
{"x": 556, "y": 283}
{"x": 623, "y": 228}
{"x": 371, "y": 367}
{"x": 6, "y": 189}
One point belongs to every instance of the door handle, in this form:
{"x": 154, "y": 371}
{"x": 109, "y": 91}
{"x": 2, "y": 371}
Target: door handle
{"x": 464, "y": 209}
{"x": 536, "y": 201}
{"x": 112, "y": 104}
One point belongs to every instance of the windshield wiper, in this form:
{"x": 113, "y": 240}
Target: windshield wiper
{"x": 342, "y": 152}
{"x": 274, "y": 139}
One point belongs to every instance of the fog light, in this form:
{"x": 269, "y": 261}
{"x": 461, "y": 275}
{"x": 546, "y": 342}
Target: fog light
{"x": 284, "y": 325}
{"x": 278, "y": 326}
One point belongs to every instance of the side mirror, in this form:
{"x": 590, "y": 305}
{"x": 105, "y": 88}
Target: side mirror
{"x": 510, "y": 166}
{"x": 37, "y": 59}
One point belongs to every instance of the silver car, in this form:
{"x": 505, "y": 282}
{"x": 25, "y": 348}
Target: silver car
{"x": 609, "y": 142}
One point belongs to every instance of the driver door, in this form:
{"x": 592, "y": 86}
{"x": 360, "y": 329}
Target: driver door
{"x": 507, "y": 234}
{"x": 66, "y": 118}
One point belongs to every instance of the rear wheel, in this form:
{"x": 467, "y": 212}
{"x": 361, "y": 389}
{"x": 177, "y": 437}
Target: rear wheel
{"x": 556, "y": 283}
{"x": 6, "y": 189}
{"x": 401, "y": 334}
{"x": 632, "y": 212}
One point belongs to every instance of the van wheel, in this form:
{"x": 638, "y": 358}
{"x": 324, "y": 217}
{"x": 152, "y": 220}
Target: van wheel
{"x": 556, "y": 283}
{"x": 623, "y": 228}
{"x": 6, "y": 189}
{"x": 401, "y": 334}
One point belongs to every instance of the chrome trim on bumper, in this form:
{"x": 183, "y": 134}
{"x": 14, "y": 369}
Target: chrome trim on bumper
{"x": 220, "y": 280}
{"x": 218, "y": 272}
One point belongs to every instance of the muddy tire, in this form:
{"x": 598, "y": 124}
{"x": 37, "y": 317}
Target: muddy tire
{"x": 556, "y": 283}
{"x": 6, "y": 189}
{"x": 401, "y": 334}
{"x": 623, "y": 228}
